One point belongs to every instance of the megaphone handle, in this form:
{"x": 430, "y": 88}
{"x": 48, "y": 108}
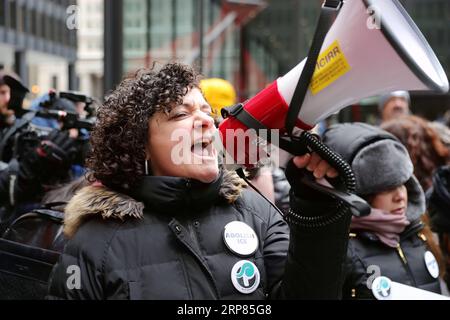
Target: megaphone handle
{"x": 358, "y": 206}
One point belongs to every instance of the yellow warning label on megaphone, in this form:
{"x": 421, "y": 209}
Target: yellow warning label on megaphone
{"x": 331, "y": 65}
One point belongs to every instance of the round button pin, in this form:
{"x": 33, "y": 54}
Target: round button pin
{"x": 240, "y": 238}
{"x": 245, "y": 276}
{"x": 431, "y": 264}
{"x": 381, "y": 288}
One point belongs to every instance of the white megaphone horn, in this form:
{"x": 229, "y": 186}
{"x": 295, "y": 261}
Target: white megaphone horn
{"x": 373, "y": 47}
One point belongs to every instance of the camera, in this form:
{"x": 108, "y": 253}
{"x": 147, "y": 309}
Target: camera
{"x": 60, "y": 111}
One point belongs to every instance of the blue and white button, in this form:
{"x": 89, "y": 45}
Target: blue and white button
{"x": 240, "y": 238}
{"x": 381, "y": 288}
{"x": 245, "y": 276}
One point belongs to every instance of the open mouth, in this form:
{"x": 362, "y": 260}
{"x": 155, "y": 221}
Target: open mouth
{"x": 203, "y": 148}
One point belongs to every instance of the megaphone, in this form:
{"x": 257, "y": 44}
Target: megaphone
{"x": 373, "y": 47}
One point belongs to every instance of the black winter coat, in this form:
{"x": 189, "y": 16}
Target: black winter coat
{"x": 281, "y": 188}
{"x": 170, "y": 245}
{"x": 405, "y": 264}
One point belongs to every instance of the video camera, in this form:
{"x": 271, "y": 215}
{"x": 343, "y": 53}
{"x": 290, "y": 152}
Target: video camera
{"x": 62, "y": 108}
{"x": 55, "y": 111}
{"x": 79, "y": 97}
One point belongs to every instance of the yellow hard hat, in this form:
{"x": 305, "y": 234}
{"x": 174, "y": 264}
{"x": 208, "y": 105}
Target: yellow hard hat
{"x": 218, "y": 93}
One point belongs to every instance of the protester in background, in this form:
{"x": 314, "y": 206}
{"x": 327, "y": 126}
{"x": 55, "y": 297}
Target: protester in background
{"x": 12, "y": 93}
{"x": 438, "y": 199}
{"x": 152, "y": 229}
{"x": 443, "y": 131}
{"x": 6, "y": 115}
{"x": 393, "y": 238}
{"x": 393, "y": 105}
{"x": 425, "y": 147}
{"x": 219, "y": 93}
{"x": 31, "y": 162}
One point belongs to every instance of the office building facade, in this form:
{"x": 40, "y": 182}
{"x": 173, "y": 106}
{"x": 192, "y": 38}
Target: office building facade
{"x": 38, "y": 40}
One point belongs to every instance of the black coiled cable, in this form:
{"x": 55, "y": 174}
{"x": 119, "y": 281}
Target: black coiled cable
{"x": 334, "y": 159}
{"x": 346, "y": 175}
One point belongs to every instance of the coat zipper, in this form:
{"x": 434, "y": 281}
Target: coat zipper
{"x": 194, "y": 238}
{"x": 405, "y": 263}
{"x": 197, "y": 247}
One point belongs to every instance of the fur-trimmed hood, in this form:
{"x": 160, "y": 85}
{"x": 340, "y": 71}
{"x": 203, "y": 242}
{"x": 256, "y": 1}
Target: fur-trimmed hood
{"x": 109, "y": 204}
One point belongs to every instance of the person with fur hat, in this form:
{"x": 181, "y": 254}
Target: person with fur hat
{"x": 394, "y": 105}
{"x": 392, "y": 239}
{"x": 154, "y": 227}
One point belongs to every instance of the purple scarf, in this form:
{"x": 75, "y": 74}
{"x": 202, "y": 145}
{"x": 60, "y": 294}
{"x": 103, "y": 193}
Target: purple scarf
{"x": 386, "y": 226}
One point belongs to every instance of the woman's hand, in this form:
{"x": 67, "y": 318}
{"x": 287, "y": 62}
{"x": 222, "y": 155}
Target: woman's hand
{"x": 314, "y": 163}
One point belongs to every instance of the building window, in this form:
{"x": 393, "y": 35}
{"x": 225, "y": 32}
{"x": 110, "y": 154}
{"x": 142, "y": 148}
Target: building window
{"x": 12, "y": 15}
{"x": 55, "y": 82}
{"x": 2, "y": 12}
{"x": 34, "y": 23}
{"x": 39, "y": 25}
{"x": 47, "y": 28}
{"x": 26, "y": 16}
{"x": 20, "y": 18}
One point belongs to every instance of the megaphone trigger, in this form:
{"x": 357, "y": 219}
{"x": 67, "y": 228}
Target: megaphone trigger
{"x": 358, "y": 206}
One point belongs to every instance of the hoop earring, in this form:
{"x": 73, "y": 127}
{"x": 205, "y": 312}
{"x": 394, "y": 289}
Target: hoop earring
{"x": 146, "y": 166}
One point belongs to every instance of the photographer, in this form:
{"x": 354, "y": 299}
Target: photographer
{"x": 41, "y": 165}
{"x": 36, "y": 159}
{"x": 76, "y": 108}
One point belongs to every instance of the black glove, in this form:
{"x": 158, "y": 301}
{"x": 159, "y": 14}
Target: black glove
{"x": 57, "y": 148}
{"x": 51, "y": 160}
{"x": 308, "y": 205}
{"x": 295, "y": 175}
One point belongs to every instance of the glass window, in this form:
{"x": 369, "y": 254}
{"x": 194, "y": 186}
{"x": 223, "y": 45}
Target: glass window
{"x": 47, "y": 28}
{"x": 55, "y": 82}
{"x": 26, "y": 16}
{"x": 20, "y": 18}
{"x": 39, "y": 25}
{"x": 12, "y": 14}
{"x": 160, "y": 22}
{"x": 2, "y": 12}
{"x": 66, "y": 35}
{"x": 33, "y": 22}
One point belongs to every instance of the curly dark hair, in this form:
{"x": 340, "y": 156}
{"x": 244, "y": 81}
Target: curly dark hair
{"x": 424, "y": 145}
{"x": 119, "y": 137}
